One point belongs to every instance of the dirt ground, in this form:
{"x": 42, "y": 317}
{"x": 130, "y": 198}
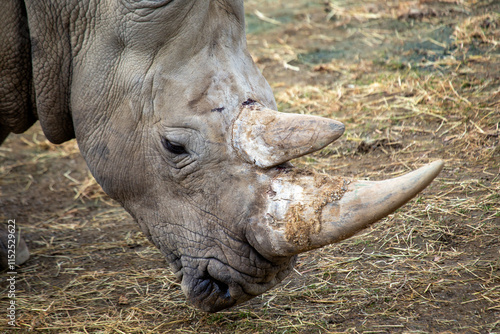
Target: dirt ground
{"x": 413, "y": 81}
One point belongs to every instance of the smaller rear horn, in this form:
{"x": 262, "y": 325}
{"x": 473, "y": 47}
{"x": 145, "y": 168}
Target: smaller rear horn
{"x": 268, "y": 138}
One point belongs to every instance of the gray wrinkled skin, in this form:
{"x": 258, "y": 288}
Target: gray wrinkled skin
{"x": 124, "y": 77}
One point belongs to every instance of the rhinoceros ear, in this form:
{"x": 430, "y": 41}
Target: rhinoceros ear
{"x": 16, "y": 105}
{"x": 51, "y": 59}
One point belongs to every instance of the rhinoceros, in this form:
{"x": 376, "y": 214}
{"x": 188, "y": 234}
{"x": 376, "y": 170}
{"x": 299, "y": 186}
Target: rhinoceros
{"x": 176, "y": 123}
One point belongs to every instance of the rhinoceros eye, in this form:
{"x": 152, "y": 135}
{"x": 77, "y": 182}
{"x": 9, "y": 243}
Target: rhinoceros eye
{"x": 150, "y": 3}
{"x": 173, "y": 148}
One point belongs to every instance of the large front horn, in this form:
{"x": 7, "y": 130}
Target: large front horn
{"x": 267, "y": 138}
{"x": 307, "y": 210}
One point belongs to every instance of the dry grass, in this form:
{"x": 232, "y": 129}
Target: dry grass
{"x": 433, "y": 266}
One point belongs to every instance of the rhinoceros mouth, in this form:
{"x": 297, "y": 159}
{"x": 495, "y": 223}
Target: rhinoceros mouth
{"x": 213, "y": 285}
{"x": 207, "y": 293}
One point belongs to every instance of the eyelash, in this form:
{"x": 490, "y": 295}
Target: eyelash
{"x": 172, "y": 148}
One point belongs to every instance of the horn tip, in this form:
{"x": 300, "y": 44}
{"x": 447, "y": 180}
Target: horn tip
{"x": 432, "y": 169}
{"x": 338, "y": 128}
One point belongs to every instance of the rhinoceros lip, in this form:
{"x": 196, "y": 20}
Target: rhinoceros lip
{"x": 212, "y": 285}
{"x": 207, "y": 293}
{"x": 209, "y": 286}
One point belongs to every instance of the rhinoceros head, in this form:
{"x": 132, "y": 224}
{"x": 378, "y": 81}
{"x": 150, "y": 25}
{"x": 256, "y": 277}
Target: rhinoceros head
{"x": 177, "y": 123}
